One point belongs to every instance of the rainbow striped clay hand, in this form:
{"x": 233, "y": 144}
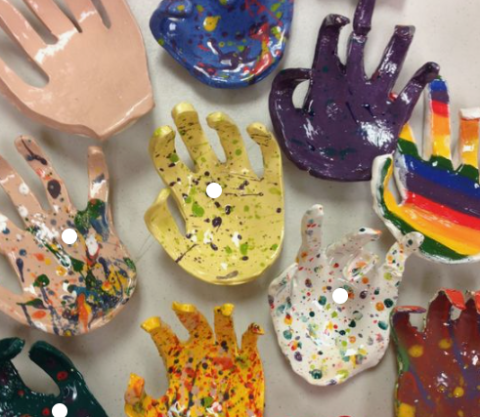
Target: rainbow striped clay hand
{"x": 438, "y": 366}
{"x": 439, "y": 200}
{"x": 209, "y": 374}
{"x": 327, "y": 343}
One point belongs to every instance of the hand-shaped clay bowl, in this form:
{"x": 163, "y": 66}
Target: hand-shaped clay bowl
{"x": 327, "y": 343}
{"x": 224, "y": 43}
{"x": 209, "y": 374}
{"x": 70, "y": 287}
{"x": 438, "y": 367}
{"x": 17, "y": 400}
{"x": 231, "y": 239}
{"x": 98, "y": 81}
{"x": 438, "y": 200}
{"x": 347, "y": 119}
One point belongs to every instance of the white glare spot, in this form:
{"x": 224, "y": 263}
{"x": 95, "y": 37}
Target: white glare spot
{"x": 214, "y": 190}
{"x": 60, "y": 410}
{"x": 340, "y": 296}
{"x": 69, "y": 236}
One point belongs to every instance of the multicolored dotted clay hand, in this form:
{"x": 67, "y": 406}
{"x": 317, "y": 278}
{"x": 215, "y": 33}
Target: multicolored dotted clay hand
{"x": 347, "y": 119}
{"x": 17, "y": 400}
{"x": 326, "y": 342}
{"x": 439, "y": 200}
{"x": 224, "y": 43}
{"x": 231, "y": 239}
{"x": 209, "y": 375}
{"x": 438, "y": 367}
{"x": 74, "y": 272}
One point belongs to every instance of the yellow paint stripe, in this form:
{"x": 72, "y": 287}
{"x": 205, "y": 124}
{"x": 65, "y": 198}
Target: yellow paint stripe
{"x": 461, "y": 239}
{"x": 441, "y": 136}
{"x": 407, "y": 134}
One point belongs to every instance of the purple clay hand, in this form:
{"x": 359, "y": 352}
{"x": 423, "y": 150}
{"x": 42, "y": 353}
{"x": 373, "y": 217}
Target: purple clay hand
{"x": 347, "y": 119}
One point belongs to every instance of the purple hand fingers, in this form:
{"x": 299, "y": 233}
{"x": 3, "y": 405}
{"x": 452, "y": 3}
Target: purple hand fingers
{"x": 326, "y": 53}
{"x": 393, "y": 58}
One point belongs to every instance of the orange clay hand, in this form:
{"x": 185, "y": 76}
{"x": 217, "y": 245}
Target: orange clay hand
{"x": 98, "y": 81}
{"x": 209, "y": 376}
{"x": 68, "y": 289}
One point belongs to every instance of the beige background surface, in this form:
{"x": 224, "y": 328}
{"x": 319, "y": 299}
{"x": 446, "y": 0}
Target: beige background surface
{"x": 447, "y": 31}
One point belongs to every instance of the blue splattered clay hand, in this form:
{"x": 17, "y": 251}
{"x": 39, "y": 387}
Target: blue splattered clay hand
{"x": 347, "y": 119}
{"x": 17, "y": 400}
{"x": 224, "y": 43}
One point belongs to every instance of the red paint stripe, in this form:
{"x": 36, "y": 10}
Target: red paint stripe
{"x": 443, "y": 211}
{"x": 440, "y": 108}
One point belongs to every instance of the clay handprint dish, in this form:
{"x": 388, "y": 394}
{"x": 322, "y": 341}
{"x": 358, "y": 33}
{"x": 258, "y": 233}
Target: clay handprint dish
{"x": 347, "y": 119}
{"x": 16, "y": 399}
{"x": 209, "y": 374}
{"x": 69, "y": 286}
{"x": 224, "y": 43}
{"x": 438, "y": 366}
{"x": 231, "y": 239}
{"x": 325, "y": 342}
{"x": 438, "y": 200}
{"x": 98, "y": 81}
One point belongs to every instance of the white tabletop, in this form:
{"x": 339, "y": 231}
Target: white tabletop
{"x": 447, "y": 31}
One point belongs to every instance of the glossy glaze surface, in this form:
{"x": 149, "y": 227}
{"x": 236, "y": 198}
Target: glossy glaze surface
{"x": 98, "y": 82}
{"x": 236, "y": 237}
{"x": 439, "y": 200}
{"x": 224, "y": 43}
{"x": 67, "y": 289}
{"x": 18, "y": 400}
{"x": 209, "y": 374}
{"x": 327, "y": 343}
{"x": 438, "y": 366}
{"x": 347, "y": 119}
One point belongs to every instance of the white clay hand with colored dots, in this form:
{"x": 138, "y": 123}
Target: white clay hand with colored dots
{"x": 327, "y": 343}
{"x": 235, "y": 237}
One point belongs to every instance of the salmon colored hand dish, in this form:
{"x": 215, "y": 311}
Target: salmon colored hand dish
{"x": 439, "y": 200}
{"x": 209, "y": 374}
{"x": 438, "y": 365}
{"x": 74, "y": 272}
{"x": 98, "y": 82}
{"x": 18, "y": 400}
{"x": 231, "y": 239}
{"x": 327, "y": 343}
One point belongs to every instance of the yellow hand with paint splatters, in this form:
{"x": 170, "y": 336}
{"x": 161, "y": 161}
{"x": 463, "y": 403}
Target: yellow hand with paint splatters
{"x": 231, "y": 239}
{"x": 209, "y": 376}
{"x": 438, "y": 200}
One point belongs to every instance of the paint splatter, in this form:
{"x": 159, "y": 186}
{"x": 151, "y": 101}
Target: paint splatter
{"x": 328, "y": 343}
{"x": 78, "y": 287}
{"x": 209, "y": 375}
{"x": 224, "y": 243}
{"x": 236, "y": 44}
{"x": 17, "y": 399}
{"x": 438, "y": 366}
